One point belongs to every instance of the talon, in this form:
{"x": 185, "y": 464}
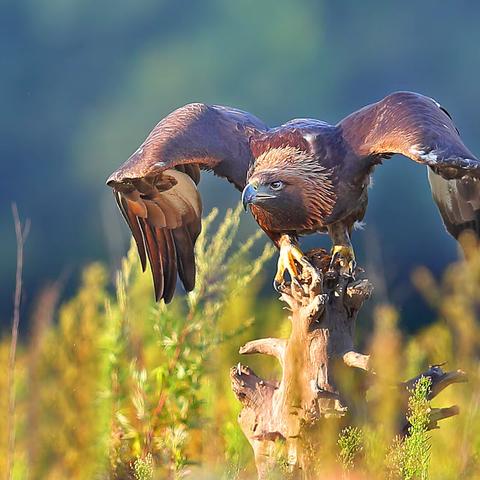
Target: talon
{"x": 289, "y": 260}
{"x": 352, "y": 266}
{"x": 296, "y": 283}
{"x": 290, "y": 256}
{"x": 345, "y": 258}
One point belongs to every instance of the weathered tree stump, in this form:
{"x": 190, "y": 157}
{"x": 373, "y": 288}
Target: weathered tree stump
{"x": 324, "y": 308}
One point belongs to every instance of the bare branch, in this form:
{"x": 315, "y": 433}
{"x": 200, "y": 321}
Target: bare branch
{"x": 437, "y": 414}
{"x": 358, "y": 360}
{"x": 440, "y": 379}
{"x": 268, "y": 346}
{"x": 434, "y": 416}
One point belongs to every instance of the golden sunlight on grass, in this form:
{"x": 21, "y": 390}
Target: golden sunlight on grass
{"x": 119, "y": 387}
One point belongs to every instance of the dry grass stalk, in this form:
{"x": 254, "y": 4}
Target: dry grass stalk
{"x": 21, "y": 233}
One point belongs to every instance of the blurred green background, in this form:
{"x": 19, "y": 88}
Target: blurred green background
{"x": 83, "y": 82}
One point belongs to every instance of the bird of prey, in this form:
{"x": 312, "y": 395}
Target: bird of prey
{"x": 302, "y": 177}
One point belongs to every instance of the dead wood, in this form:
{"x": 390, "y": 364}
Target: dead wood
{"x": 324, "y": 310}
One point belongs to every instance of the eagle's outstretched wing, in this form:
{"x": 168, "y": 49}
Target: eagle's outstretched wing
{"x": 419, "y": 128}
{"x": 458, "y": 201}
{"x": 156, "y": 188}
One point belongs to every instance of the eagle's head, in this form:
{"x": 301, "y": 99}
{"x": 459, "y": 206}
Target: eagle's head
{"x": 290, "y": 186}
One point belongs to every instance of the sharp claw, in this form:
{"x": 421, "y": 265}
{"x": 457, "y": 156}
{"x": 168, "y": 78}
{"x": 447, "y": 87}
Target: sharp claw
{"x": 305, "y": 261}
{"x": 296, "y": 282}
{"x": 343, "y": 259}
{"x": 290, "y": 258}
{"x": 352, "y": 266}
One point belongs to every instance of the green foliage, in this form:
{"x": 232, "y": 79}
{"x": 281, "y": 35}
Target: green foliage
{"x": 123, "y": 375}
{"x": 122, "y": 388}
{"x": 162, "y": 366}
{"x": 416, "y": 455}
{"x": 143, "y": 468}
{"x": 409, "y": 458}
{"x": 72, "y": 421}
{"x": 350, "y": 444}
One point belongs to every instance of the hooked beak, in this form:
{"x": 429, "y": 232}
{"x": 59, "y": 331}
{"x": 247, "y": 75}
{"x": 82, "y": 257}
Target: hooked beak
{"x": 248, "y": 195}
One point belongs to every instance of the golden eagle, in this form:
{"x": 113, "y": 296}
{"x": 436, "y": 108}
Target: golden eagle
{"x": 302, "y": 177}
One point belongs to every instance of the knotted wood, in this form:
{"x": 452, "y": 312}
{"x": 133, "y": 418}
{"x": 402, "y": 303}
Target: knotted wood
{"x": 324, "y": 308}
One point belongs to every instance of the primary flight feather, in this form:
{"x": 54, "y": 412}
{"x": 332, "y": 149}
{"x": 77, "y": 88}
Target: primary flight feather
{"x": 303, "y": 177}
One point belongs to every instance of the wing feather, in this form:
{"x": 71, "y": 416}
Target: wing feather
{"x": 421, "y": 129}
{"x": 156, "y": 188}
{"x": 169, "y": 256}
{"x": 155, "y": 214}
{"x": 412, "y": 125}
{"x": 156, "y": 265}
{"x": 185, "y": 256}
{"x": 458, "y": 201}
{"x": 132, "y": 222}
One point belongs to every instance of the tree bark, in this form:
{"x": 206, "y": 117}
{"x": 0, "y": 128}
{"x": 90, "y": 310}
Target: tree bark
{"x": 324, "y": 309}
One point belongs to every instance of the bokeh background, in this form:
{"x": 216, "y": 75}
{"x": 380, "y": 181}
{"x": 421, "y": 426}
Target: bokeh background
{"x": 83, "y": 82}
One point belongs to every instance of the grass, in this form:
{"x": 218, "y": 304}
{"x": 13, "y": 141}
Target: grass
{"x": 114, "y": 386}
{"x": 415, "y": 450}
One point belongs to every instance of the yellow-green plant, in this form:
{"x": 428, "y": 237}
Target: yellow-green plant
{"x": 72, "y": 427}
{"x": 350, "y": 444}
{"x": 119, "y": 387}
{"x": 416, "y": 446}
{"x": 161, "y": 368}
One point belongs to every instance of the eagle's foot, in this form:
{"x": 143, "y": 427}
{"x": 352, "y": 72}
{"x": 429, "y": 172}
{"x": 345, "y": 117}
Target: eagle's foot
{"x": 291, "y": 255}
{"x": 343, "y": 261}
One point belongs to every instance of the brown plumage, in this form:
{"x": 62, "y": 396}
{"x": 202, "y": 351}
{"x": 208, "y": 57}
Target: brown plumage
{"x": 318, "y": 193}
{"x": 156, "y": 189}
{"x": 303, "y": 177}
